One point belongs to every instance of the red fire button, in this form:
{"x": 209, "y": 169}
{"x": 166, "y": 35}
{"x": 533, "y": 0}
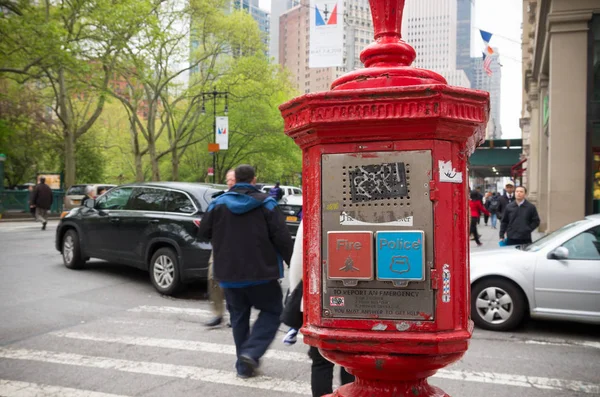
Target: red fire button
{"x": 350, "y": 255}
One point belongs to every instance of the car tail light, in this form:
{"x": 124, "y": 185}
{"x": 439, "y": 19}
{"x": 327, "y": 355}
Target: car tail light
{"x": 197, "y": 222}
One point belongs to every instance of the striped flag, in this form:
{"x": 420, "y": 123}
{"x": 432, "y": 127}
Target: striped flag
{"x": 487, "y": 51}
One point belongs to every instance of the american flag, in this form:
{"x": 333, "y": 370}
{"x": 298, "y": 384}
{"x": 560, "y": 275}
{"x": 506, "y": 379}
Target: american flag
{"x": 487, "y": 62}
{"x": 487, "y": 51}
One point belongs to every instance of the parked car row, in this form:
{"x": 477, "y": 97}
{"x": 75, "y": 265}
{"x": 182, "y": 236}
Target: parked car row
{"x": 153, "y": 226}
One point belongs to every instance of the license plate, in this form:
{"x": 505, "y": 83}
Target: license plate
{"x": 292, "y": 219}
{"x": 76, "y": 201}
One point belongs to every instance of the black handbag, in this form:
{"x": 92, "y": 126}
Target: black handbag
{"x": 292, "y": 315}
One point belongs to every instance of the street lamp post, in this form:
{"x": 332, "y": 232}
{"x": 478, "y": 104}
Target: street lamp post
{"x": 214, "y": 94}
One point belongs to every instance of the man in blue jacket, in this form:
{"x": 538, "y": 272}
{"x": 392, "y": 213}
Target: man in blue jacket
{"x": 250, "y": 241}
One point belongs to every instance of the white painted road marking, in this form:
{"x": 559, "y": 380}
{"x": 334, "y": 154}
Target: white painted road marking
{"x": 13, "y": 388}
{"x": 157, "y": 369}
{"x": 179, "y": 344}
{"x": 171, "y": 310}
{"x": 468, "y": 376}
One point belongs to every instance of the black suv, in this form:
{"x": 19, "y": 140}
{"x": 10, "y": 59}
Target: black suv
{"x": 151, "y": 226}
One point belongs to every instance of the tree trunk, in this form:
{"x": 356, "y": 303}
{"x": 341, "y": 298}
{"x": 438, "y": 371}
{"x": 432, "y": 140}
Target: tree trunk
{"x": 153, "y": 160}
{"x": 137, "y": 155}
{"x": 175, "y": 164}
{"x": 69, "y": 159}
{"x": 69, "y": 135}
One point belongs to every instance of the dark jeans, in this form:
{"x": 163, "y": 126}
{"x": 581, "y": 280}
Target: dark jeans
{"x": 485, "y": 219}
{"x": 321, "y": 374}
{"x": 268, "y": 299}
{"x": 512, "y": 241}
{"x": 473, "y": 229}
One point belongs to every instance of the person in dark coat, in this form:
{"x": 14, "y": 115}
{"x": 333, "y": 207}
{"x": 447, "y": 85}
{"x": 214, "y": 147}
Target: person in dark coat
{"x": 42, "y": 202}
{"x": 507, "y": 197}
{"x": 250, "y": 241}
{"x": 519, "y": 220}
{"x": 276, "y": 192}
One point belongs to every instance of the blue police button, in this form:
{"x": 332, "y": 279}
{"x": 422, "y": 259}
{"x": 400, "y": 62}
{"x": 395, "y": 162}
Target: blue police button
{"x": 400, "y": 255}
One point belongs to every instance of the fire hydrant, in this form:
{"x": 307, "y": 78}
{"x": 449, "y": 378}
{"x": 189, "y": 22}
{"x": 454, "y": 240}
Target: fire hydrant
{"x": 386, "y": 243}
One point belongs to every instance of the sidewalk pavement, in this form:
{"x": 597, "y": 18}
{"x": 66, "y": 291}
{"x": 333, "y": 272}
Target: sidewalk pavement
{"x": 490, "y": 237}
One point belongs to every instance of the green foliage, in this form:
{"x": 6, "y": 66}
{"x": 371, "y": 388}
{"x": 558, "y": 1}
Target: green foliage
{"x": 111, "y": 73}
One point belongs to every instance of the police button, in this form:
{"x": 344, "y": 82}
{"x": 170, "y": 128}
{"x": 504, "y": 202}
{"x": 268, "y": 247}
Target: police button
{"x": 400, "y": 255}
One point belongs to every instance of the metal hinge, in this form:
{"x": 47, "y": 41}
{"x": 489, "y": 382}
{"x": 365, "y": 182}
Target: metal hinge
{"x": 435, "y": 279}
{"x": 433, "y": 191}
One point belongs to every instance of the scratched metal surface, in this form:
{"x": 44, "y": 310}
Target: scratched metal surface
{"x": 375, "y": 201}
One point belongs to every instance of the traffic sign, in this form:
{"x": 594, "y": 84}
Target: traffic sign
{"x": 400, "y": 255}
{"x": 350, "y": 255}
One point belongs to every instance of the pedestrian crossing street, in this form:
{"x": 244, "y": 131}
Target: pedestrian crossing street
{"x": 165, "y": 351}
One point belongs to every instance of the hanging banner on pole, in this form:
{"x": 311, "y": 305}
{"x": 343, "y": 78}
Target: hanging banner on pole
{"x": 222, "y": 133}
{"x": 326, "y": 33}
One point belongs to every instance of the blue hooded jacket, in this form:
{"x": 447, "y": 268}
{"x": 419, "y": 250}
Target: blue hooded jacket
{"x": 249, "y": 236}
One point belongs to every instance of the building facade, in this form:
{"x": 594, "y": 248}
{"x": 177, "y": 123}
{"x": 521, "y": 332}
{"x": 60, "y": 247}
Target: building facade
{"x": 278, "y": 7}
{"x": 561, "y": 108}
{"x": 294, "y": 41}
{"x": 433, "y": 28}
{"x": 261, "y": 16}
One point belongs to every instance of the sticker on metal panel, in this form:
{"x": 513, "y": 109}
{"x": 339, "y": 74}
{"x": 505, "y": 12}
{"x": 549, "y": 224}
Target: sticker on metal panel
{"x": 348, "y": 220}
{"x": 400, "y": 255}
{"x": 350, "y": 255}
{"x": 378, "y": 182}
{"x": 446, "y": 283}
{"x": 448, "y": 173}
{"x": 336, "y": 301}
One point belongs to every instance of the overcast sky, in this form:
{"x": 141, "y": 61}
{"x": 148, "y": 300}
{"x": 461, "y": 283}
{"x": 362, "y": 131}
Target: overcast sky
{"x": 502, "y": 18}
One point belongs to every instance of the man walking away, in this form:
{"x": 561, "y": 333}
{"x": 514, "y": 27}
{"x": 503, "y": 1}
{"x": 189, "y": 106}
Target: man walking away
{"x": 42, "y": 202}
{"x": 215, "y": 292}
{"x": 507, "y": 197}
{"x": 250, "y": 242}
{"x": 486, "y": 200}
{"x": 493, "y": 206}
{"x": 519, "y": 219}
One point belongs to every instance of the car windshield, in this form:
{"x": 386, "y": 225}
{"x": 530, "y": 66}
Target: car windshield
{"x": 76, "y": 190}
{"x": 542, "y": 242}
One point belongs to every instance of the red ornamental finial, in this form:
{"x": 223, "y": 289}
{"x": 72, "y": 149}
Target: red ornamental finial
{"x": 388, "y": 60}
{"x": 389, "y": 49}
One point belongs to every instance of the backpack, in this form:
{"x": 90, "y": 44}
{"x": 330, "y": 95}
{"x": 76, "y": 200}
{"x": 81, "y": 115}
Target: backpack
{"x": 494, "y": 204}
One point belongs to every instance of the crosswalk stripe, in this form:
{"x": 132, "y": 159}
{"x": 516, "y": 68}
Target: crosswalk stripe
{"x": 158, "y": 369}
{"x": 13, "y": 388}
{"x": 179, "y": 344}
{"x": 171, "y": 310}
{"x": 469, "y": 376}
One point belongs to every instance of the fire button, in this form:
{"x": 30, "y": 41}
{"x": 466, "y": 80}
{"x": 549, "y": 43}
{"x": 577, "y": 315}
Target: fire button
{"x": 350, "y": 255}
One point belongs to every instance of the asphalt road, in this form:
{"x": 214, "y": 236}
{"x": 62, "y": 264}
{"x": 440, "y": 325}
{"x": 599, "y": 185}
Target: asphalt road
{"x": 104, "y": 331}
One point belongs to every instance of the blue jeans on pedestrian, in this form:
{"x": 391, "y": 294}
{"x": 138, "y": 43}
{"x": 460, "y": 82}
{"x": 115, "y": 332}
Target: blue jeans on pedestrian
{"x": 494, "y": 219}
{"x": 268, "y": 299}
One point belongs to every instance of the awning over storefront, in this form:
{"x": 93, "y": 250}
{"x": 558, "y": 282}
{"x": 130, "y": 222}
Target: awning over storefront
{"x": 495, "y": 158}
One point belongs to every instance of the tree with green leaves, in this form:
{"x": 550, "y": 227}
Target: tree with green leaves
{"x": 67, "y": 50}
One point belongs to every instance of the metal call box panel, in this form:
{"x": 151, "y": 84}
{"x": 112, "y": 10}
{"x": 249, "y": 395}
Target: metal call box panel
{"x": 378, "y": 235}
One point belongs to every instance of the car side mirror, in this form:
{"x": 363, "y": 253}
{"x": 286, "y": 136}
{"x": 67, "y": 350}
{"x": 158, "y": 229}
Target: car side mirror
{"x": 560, "y": 253}
{"x": 90, "y": 203}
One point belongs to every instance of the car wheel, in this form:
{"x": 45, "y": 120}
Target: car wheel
{"x": 71, "y": 250}
{"x": 497, "y": 305}
{"x": 164, "y": 271}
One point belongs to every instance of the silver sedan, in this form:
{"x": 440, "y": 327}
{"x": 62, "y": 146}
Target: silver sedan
{"x": 556, "y": 277}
